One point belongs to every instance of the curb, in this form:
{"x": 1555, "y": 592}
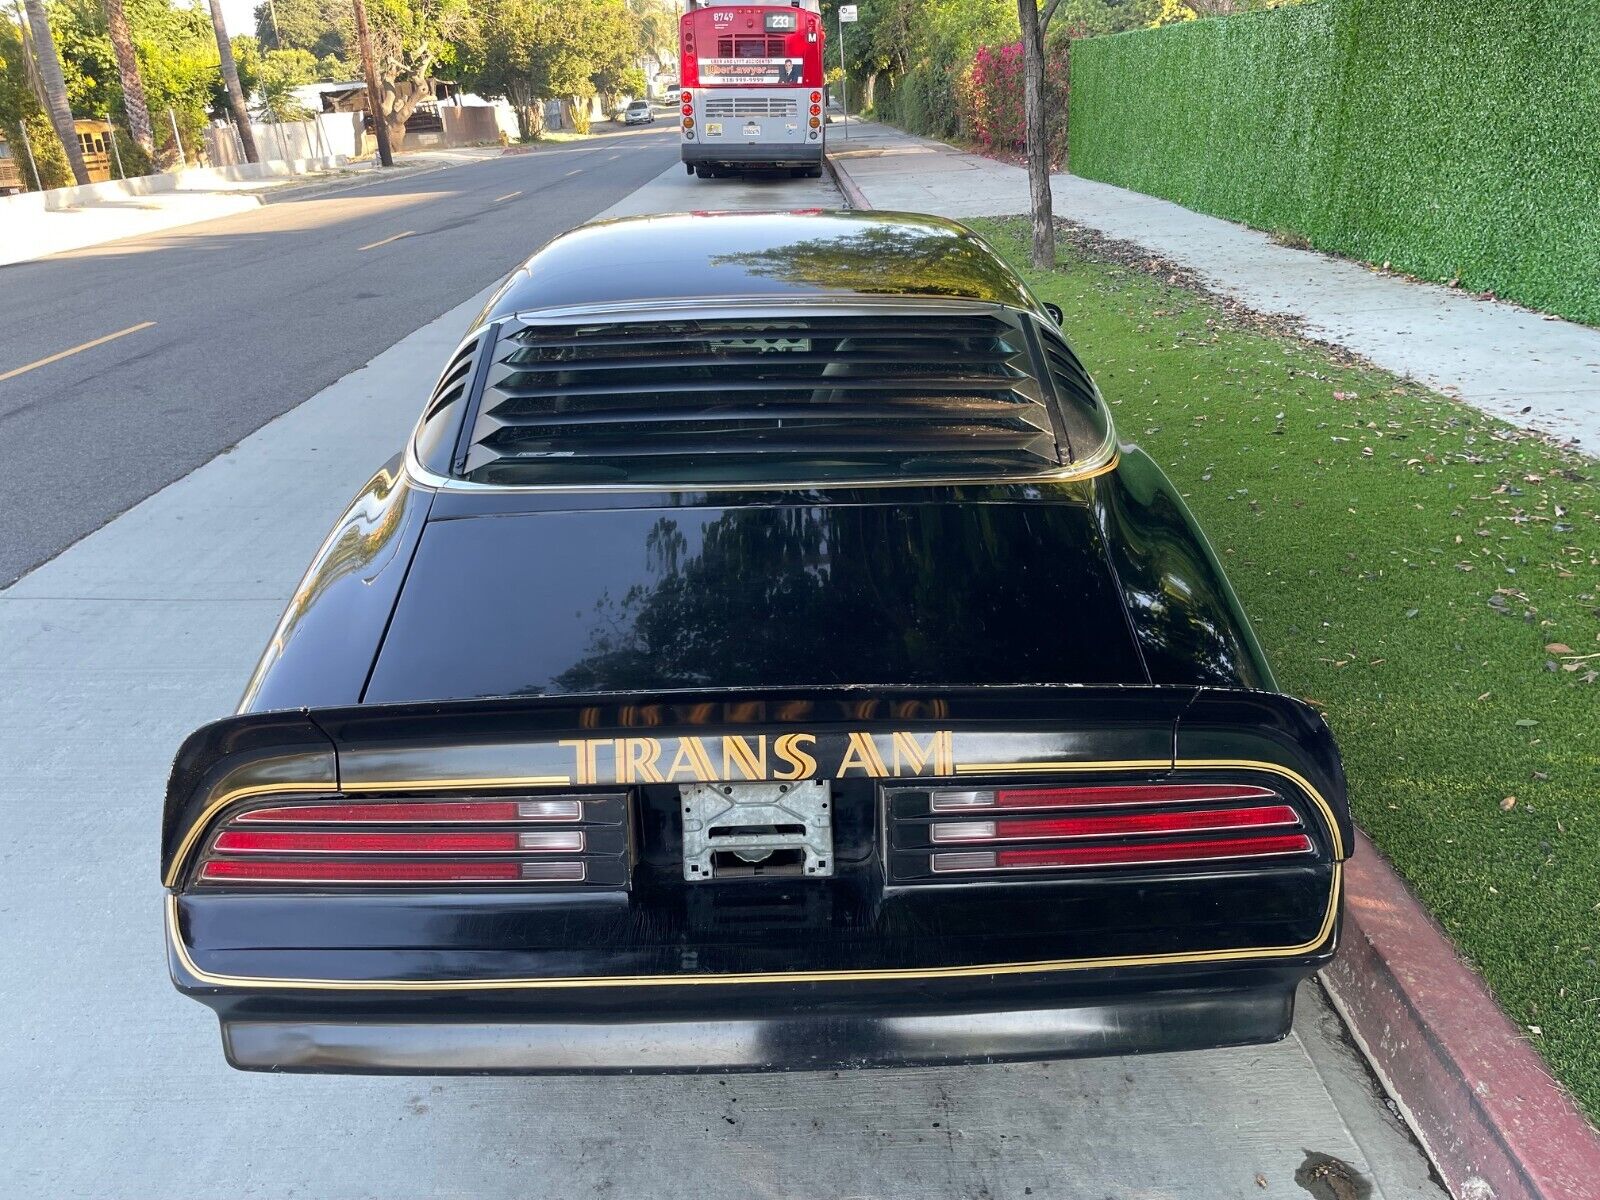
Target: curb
{"x": 1482, "y": 1103}
{"x": 841, "y": 177}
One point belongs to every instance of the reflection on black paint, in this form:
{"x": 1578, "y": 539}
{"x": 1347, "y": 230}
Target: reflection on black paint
{"x": 767, "y": 596}
{"x": 1187, "y": 621}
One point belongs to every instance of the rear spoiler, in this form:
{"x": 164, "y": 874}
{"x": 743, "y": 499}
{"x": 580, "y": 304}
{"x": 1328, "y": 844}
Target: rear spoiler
{"x": 887, "y": 733}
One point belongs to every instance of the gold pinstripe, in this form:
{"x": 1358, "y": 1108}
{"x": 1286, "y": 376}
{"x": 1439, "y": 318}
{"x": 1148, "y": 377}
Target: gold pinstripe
{"x": 1330, "y": 915}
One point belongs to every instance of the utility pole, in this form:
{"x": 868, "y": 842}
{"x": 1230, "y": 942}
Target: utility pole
{"x": 374, "y": 96}
{"x": 22, "y": 127}
{"x": 847, "y": 15}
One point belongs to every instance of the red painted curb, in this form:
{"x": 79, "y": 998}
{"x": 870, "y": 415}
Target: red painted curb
{"x": 852, "y": 192}
{"x": 1494, "y": 1123}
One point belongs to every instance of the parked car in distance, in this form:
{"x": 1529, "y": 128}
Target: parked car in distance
{"x": 674, "y": 93}
{"x": 639, "y": 113}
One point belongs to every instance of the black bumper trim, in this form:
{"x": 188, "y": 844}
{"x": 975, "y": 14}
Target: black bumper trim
{"x": 1146, "y": 1024}
{"x": 807, "y": 154}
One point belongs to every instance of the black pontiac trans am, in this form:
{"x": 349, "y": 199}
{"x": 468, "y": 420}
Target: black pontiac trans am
{"x": 763, "y": 655}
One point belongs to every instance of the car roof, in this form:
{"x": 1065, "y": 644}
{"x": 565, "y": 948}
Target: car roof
{"x": 772, "y": 256}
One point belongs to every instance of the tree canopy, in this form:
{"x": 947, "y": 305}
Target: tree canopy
{"x": 530, "y": 51}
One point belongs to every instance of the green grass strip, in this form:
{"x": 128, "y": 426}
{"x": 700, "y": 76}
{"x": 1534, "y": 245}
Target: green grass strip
{"x": 1424, "y": 574}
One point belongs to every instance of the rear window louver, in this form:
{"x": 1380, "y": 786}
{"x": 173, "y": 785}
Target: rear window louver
{"x": 789, "y": 398}
{"x": 457, "y": 378}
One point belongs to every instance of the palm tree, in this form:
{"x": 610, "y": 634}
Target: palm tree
{"x": 55, "y": 87}
{"x": 133, "y": 103}
{"x": 230, "y": 76}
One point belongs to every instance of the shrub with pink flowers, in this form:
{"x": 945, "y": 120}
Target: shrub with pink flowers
{"x": 990, "y": 95}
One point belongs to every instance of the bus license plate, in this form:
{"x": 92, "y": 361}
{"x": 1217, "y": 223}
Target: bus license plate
{"x": 752, "y": 129}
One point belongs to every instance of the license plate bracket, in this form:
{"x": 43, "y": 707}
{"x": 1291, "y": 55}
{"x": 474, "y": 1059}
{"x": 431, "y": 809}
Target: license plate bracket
{"x": 741, "y": 830}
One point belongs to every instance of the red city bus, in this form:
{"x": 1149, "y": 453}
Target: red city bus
{"x": 752, "y": 78}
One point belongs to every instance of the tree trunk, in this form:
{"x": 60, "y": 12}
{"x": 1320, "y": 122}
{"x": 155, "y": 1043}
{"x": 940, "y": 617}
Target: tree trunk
{"x": 55, "y": 88}
{"x": 133, "y": 102}
{"x": 230, "y": 76}
{"x": 1037, "y": 139}
{"x": 369, "y": 70}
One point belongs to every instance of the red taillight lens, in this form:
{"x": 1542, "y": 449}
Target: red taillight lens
{"x": 421, "y": 842}
{"x": 508, "y": 842}
{"x": 686, "y": 96}
{"x": 815, "y": 109}
{"x": 1136, "y": 854}
{"x": 1096, "y": 797}
{"x": 934, "y": 832}
{"x": 1128, "y": 824}
{"x": 222, "y": 871}
{"x": 474, "y": 811}
{"x": 816, "y": 97}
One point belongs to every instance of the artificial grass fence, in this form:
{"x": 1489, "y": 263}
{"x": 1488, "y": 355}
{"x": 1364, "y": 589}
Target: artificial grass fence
{"x": 1429, "y": 579}
{"x": 1454, "y": 139}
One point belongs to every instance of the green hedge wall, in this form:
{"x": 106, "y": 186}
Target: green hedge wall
{"x": 1451, "y": 138}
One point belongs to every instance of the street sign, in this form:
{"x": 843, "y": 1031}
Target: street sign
{"x": 847, "y": 12}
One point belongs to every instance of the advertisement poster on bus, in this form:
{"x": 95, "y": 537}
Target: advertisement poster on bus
{"x": 749, "y": 70}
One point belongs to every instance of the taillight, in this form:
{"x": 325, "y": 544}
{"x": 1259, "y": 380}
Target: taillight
{"x": 816, "y": 97}
{"x": 686, "y": 96}
{"x": 1129, "y": 824}
{"x": 481, "y": 840}
{"x": 937, "y": 832}
{"x": 1097, "y": 797}
{"x": 1106, "y": 856}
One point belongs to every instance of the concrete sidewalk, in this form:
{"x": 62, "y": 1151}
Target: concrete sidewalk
{"x": 38, "y": 224}
{"x": 1527, "y": 368}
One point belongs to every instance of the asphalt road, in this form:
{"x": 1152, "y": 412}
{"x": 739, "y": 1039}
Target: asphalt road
{"x": 227, "y": 324}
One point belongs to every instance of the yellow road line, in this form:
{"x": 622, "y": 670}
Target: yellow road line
{"x": 386, "y": 241}
{"x": 507, "y": 196}
{"x": 99, "y": 341}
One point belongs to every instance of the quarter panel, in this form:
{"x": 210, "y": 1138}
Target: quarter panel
{"x": 325, "y": 642}
{"x": 1187, "y": 621}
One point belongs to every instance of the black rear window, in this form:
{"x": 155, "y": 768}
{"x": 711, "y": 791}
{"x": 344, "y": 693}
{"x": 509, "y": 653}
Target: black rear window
{"x": 760, "y": 596}
{"x": 823, "y": 398}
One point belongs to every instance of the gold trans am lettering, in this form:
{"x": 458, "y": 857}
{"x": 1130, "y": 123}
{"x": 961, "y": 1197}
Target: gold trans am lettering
{"x": 789, "y": 756}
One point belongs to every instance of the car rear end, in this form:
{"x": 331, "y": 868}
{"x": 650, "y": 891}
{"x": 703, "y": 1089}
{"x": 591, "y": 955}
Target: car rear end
{"x": 813, "y": 879}
{"x": 772, "y": 674}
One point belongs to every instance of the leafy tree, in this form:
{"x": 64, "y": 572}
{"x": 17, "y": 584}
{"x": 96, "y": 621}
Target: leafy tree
{"x": 411, "y": 41}
{"x": 273, "y": 76}
{"x": 19, "y": 107}
{"x": 177, "y": 58}
{"x": 322, "y": 28}
{"x": 530, "y": 51}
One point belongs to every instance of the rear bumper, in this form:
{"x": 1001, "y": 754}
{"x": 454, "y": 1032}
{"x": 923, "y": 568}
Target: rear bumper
{"x": 1132, "y": 1025}
{"x": 797, "y": 155}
